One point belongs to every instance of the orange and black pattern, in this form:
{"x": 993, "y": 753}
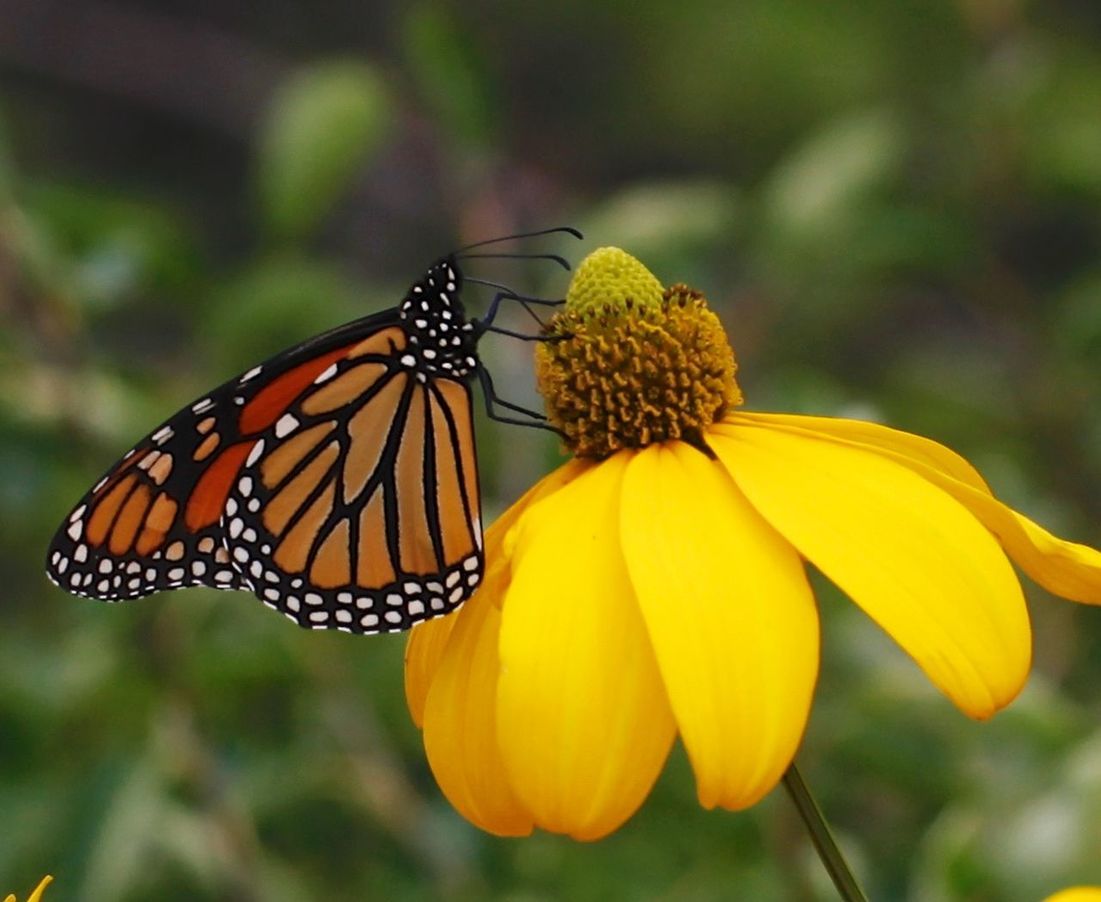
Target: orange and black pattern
{"x": 337, "y": 481}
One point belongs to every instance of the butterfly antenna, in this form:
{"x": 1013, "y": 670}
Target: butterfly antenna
{"x": 569, "y": 230}
{"x": 512, "y": 293}
{"x": 561, "y": 261}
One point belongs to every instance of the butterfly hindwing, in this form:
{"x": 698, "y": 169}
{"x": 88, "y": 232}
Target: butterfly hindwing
{"x": 358, "y": 507}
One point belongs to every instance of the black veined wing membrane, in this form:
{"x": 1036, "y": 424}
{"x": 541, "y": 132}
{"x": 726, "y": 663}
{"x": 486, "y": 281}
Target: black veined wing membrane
{"x": 337, "y": 481}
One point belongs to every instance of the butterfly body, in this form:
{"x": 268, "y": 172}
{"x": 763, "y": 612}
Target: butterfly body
{"x": 337, "y": 481}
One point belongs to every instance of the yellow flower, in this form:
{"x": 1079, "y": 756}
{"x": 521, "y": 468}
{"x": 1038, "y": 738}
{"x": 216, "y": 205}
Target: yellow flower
{"x": 1077, "y": 894}
{"x": 36, "y": 896}
{"x": 655, "y": 585}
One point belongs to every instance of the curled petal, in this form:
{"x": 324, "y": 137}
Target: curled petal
{"x": 583, "y": 720}
{"x": 731, "y": 617}
{"x": 423, "y": 653}
{"x": 915, "y": 559}
{"x": 1067, "y": 569}
{"x": 460, "y": 724}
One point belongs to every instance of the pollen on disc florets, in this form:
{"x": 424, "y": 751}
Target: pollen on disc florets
{"x": 623, "y": 373}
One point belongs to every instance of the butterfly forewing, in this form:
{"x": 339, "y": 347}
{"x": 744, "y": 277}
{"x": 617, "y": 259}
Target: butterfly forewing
{"x": 152, "y": 522}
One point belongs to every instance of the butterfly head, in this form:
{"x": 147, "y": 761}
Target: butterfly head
{"x": 433, "y": 316}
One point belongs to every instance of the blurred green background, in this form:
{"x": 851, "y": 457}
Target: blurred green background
{"x": 896, "y": 208}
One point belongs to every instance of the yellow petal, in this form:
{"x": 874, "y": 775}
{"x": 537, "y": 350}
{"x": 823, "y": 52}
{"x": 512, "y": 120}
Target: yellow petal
{"x": 908, "y": 553}
{"x": 36, "y": 896}
{"x": 731, "y": 617}
{"x": 428, "y": 639}
{"x": 1077, "y": 894}
{"x": 460, "y": 724}
{"x": 423, "y": 653}
{"x": 583, "y": 719}
{"x": 915, "y": 447}
{"x": 1064, "y": 568}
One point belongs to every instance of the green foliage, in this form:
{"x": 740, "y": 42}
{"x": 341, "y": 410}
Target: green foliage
{"x": 452, "y": 71}
{"x": 323, "y": 126}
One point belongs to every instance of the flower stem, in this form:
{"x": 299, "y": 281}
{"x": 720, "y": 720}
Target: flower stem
{"x": 820, "y": 835}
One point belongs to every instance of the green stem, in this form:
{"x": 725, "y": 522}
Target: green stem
{"x": 820, "y": 835}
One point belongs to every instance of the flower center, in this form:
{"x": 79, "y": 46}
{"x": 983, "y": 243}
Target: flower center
{"x": 637, "y": 364}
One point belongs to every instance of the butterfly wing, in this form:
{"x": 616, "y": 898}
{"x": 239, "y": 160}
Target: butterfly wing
{"x": 337, "y": 482}
{"x": 154, "y": 521}
{"x": 151, "y": 522}
{"x": 358, "y": 507}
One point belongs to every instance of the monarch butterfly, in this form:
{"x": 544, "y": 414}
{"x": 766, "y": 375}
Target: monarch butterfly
{"x": 337, "y": 481}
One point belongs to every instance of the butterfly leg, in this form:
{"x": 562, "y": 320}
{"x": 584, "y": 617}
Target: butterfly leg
{"x": 523, "y": 300}
{"x": 537, "y": 421}
{"x": 492, "y": 397}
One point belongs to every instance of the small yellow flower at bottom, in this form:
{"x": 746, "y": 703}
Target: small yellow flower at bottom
{"x": 655, "y": 585}
{"x": 1077, "y": 894}
{"x": 36, "y": 896}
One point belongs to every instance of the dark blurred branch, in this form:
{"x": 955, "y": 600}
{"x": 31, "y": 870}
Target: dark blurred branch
{"x": 230, "y": 831}
{"x": 190, "y": 70}
{"x": 379, "y": 777}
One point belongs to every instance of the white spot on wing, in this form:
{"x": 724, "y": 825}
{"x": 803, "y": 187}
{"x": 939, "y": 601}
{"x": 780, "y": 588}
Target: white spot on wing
{"x": 285, "y": 425}
{"x": 254, "y": 454}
